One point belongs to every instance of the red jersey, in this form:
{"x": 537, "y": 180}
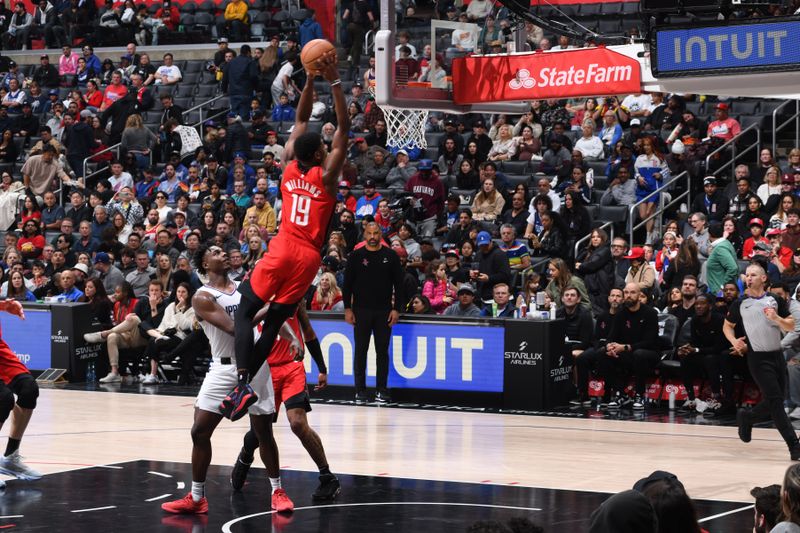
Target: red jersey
{"x": 281, "y": 354}
{"x": 10, "y": 365}
{"x": 307, "y": 206}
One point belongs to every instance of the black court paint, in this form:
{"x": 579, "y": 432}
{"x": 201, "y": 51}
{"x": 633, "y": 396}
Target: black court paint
{"x": 128, "y": 499}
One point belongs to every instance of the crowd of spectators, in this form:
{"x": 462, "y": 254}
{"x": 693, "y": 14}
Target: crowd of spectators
{"x": 483, "y": 219}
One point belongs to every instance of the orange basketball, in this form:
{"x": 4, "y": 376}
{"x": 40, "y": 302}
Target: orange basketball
{"x": 313, "y": 51}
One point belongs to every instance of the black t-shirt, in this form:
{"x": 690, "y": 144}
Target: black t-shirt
{"x": 708, "y": 336}
{"x": 763, "y": 335}
{"x": 144, "y": 70}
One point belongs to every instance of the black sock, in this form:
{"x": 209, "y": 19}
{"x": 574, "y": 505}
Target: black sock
{"x": 12, "y": 446}
{"x": 250, "y": 446}
{"x": 324, "y": 470}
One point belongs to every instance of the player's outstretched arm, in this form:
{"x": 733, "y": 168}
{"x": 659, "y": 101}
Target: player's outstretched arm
{"x": 12, "y": 307}
{"x": 336, "y": 159}
{"x": 302, "y": 115}
{"x": 206, "y": 308}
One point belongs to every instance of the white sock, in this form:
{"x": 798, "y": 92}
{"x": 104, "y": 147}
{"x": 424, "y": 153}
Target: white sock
{"x": 275, "y": 482}
{"x": 198, "y": 490}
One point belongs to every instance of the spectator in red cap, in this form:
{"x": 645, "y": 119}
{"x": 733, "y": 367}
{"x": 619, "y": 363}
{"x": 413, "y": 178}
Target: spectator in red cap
{"x": 779, "y": 252}
{"x": 640, "y": 272}
{"x": 723, "y": 127}
{"x": 368, "y": 203}
{"x": 756, "y": 236}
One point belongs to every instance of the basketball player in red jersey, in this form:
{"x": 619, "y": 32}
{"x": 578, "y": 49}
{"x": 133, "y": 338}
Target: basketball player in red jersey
{"x": 289, "y": 385}
{"x": 15, "y": 379}
{"x": 309, "y": 186}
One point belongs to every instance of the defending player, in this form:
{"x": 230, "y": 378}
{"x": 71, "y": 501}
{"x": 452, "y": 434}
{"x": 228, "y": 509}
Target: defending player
{"x": 289, "y": 384}
{"x": 309, "y": 191}
{"x": 214, "y": 305}
{"x": 15, "y": 378}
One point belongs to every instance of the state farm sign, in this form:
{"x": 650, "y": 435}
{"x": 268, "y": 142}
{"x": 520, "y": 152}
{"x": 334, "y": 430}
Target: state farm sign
{"x": 541, "y": 75}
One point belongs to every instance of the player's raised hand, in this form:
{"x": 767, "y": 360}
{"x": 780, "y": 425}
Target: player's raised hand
{"x": 327, "y": 66}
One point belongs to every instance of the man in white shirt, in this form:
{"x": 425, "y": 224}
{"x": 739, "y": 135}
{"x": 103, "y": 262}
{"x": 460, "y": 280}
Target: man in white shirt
{"x": 637, "y": 105}
{"x": 590, "y": 145}
{"x": 283, "y": 80}
{"x": 119, "y": 178}
{"x": 463, "y": 40}
{"x": 403, "y": 38}
{"x": 14, "y": 98}
{"x": 544, "y": 187}
{"x": 168, "y": 73}
{"x": 478, "y": 9}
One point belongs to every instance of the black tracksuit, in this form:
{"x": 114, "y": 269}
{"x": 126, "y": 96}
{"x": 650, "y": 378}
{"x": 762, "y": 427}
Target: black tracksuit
{"x": 712, "y": 355}
{"x": 639, "y": 329}
{"x": 369, "y": 280}
{"x": 589, "y": 359}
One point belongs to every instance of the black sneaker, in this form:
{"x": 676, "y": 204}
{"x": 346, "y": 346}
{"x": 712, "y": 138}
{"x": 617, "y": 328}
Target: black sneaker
{"x": 361, "y": 397}
{"x": 794, "y": 451}
{"x": 328, "y": 488}
{"x": 239, "y": 472}
{"x": 745, "y": 422}
{"x": 382, "y": 396}
{"x": 638, "y": 403}
{"x": 726, "y": 410}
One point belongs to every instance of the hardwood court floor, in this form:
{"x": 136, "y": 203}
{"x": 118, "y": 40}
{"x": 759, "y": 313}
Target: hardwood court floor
{"x": 78, "y": 429}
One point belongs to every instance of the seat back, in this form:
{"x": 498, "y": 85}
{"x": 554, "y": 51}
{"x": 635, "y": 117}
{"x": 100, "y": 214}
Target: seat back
{"x": 667, "y": 331}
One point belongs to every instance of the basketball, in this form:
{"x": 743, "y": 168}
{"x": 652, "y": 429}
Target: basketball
{"x": 313, "y": 51}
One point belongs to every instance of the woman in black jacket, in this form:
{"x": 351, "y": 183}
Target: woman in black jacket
{"x": 685, "y": 263}
{"x": 576, "y": 219}
{"x": 597, "y": 270}
{"x": 550, "y": 242}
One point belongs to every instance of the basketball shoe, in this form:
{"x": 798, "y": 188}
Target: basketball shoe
{"x": 186, "y": 505}
{"x": 281, "y": 502}
{"x": 12, "y": 465}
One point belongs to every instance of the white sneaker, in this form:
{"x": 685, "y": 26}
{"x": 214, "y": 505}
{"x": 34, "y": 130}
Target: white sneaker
{"x": 111, "y": 378}
{"x": 795, "y": 414}
{"x": 95, "y": 337}
{"x": 12, "y": 465}
{"x": 700, "y": 405}
{"x": 150, "y": 379}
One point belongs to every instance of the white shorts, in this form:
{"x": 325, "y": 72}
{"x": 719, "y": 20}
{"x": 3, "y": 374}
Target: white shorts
{"x": 221, "y": 379}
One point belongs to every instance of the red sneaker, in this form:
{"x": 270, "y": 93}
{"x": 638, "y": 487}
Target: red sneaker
{"x": 187, "y": 505}
{"x": 281, "y": 502}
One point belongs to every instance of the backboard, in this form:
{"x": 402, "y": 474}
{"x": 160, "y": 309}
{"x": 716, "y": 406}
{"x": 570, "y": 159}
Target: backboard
{"x": 394, "y": 89}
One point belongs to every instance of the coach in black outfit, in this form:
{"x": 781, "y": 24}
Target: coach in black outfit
{"x": 372, "y": 273}
{"x": 589, "y": 359}
{"x": 632, "y": 345}
{"x": 764, "y": 316}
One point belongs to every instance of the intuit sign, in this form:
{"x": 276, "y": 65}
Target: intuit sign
{"x": 750, "y": 45}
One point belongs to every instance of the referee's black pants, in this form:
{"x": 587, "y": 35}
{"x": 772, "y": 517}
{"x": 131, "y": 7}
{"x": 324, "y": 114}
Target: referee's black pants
{"x": 371, "y": 322}
{"x": 769, "y": 372}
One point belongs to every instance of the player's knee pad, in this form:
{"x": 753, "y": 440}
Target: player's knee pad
{"x": 27, "y": 394}
{"x": 6, "y": 403}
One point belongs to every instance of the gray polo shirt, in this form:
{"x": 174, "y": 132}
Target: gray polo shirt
{"x": 140, "y": 281}
{"x": 763, "y": 335}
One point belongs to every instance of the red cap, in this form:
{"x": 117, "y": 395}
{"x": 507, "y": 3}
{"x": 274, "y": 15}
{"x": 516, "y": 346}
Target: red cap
{"x": 756, "y": 221}
{"x": 722, "y": 106}
{"x": 344, "y": 184}
{"x": 635, "y": 253}
{"x": 272, "y": 132}
{"x": 773, "y": 231}
{"x": 359, "y": 140}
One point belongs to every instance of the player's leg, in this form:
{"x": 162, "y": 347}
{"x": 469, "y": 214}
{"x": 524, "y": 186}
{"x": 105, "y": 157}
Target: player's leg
{"x": 276, "y": 315}
{"x": 329, "y": 486}
{"x": 245, "y": 459}
{"x": 205, "y": 422}
{"x": 6, "y": 406}
{"x": 27, "y": 391}
{"x": 268, "y": 449}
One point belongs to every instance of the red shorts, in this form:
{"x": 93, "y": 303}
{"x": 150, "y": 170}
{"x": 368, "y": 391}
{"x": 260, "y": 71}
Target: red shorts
{"x": 10, "y": 365}
{"x": 289, "y": 384}
{"x": 285, "y": 273}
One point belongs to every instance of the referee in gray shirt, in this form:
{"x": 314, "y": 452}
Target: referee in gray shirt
{"x": 763, "y": 316}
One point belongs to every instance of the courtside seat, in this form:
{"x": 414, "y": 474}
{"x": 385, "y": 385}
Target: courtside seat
{"x": 514, "y": 167}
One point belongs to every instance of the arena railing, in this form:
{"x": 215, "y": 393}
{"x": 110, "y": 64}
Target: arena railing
{"x": 661, "y": 206}
{"x": 736, "y": 153}
{"x": 777, "y": 128}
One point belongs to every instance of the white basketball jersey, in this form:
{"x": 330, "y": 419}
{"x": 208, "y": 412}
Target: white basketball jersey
{"x": 221, "y": 342}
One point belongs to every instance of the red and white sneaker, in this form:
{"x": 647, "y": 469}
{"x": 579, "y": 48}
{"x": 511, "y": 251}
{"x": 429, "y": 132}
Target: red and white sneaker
{"x": 281, "y": 502}
{"x": 187, "y": 505}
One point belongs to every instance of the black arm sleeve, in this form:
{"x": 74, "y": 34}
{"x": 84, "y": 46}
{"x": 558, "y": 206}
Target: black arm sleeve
{"x": 316, "y": 354}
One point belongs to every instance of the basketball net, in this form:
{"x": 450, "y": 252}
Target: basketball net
{"x": 405, "y": 128}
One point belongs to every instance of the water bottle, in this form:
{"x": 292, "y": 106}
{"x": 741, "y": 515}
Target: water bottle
{"x": 523, "y": 309}
{"x": 90, "y": 372}
{"x": 552, "y": 310}
{"x": 672, "y": 400}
